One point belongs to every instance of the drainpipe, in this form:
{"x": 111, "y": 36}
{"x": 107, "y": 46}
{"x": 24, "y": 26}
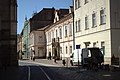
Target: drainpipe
{"x": 73, "y": 27}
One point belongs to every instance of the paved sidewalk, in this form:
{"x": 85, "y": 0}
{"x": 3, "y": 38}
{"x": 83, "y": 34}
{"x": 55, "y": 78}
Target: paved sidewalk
{"x": 51, "y": 62}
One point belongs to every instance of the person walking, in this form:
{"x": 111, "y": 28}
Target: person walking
{"x": 63, "y": 62}
{"x": 33, "y": 56}
{"x": 71, "y": 59}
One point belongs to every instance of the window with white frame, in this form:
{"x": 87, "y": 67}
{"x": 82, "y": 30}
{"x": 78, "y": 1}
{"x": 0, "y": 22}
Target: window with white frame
{"x": 70, "y": 29}
{"x": 65, "y": 30}
{"x": 77, "y": 4}
{"x": 60, "y": 32}
{"x": 70, "y": 49}
{"x": 102, "y": 17}
{"x": 86, "y": 22}
{"x": 66, "y": 50}
{"x": 94, "y": 20}
{"x": 94, "y": 44}
{"x": 78, "y": 26}
{"x": 56, "y": 33}
{"x": 61, "y": 50}
{"x": 49, "y": 37}
{"x": 103, "y": 47}
{"x": 53, "y": 34}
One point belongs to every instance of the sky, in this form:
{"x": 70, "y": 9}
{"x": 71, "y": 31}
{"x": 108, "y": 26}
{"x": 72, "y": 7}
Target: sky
{"x": 27, "y": 7}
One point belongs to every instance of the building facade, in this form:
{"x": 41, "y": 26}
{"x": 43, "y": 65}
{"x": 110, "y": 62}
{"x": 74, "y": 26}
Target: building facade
{"x": 38, "y": 20}
{"x": 20, "y": 45}
{"x": 96, "y": 24}
{"x": 25, "y": 39}
{"x": 59, "y": 39}
{"x": 37, "y": 43}
{"x": 8, "y": 33}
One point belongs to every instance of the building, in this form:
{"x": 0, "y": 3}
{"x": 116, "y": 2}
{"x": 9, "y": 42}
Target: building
{"x": 20, "y": 45}
{"x": 97, "y": 25}
{"x": 59, "y": 39}
{"x": 38, "y": 43}
{"x": 8, "y": 33}
{"x": 38, "y": 20}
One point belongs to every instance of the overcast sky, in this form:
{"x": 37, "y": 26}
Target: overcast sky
{"x": 27, "y": 7}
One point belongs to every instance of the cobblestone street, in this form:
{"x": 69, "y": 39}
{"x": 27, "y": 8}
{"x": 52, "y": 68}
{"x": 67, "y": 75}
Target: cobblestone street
{"x": 65, "y": 72}
{"x": 75, "y": 73}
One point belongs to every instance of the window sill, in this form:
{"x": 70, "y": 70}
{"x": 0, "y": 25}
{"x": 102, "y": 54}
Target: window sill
{"x": 70, "y": 35}
{"x": 85, "y": 3}
{"x": 102, "y": 24}
{"x": 78, "y": 8}
{"x": 66, "y": 36}
{"x": 86, "y": 28}
{"x": 78, "y": 31}
{"x": 94, "y": 26}
{"x": 60, "y": 37}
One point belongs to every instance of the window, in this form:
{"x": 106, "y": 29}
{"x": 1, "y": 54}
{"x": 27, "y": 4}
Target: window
{"x": 78, "y": 25}
{"x": 86, "y": 1}
{"x": 49, "y": 37}
{"x": 66, "y": 50}
{"x": 86, "y": 22}
{"x": 65, "y": 31}
{"x": 56, "y": 34}
{"x": 77, "y": 4}
{"x": 52, "y": 34}
{"x": 61, "y": 50}
{"x": 60, "y": 30}
{"x": 40, "y": 38}
{"x": 70, "y": 30}
{"x": 103, "y": 47}
{"x": 94, "y": 44}
{"x": 70, "y": 49}
{"x": 93, "y": 19}
{"x": 102, "y": 17}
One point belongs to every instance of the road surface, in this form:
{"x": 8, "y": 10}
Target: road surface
{"x": 30, "y": 71}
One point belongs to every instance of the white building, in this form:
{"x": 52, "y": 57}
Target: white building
{"x": 97, "y": 24}
{"x": 60, "y": 33}
{"x": 37, "y": 43}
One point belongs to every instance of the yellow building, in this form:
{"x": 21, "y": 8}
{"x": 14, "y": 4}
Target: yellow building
{"x": 97, "y": 24}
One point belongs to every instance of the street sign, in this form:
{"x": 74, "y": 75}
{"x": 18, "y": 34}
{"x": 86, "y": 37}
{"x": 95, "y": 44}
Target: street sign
{"x": 77, "y": 46}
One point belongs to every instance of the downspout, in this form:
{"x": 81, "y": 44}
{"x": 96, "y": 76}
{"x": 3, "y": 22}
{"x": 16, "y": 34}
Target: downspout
{"x": 73, "y": 28}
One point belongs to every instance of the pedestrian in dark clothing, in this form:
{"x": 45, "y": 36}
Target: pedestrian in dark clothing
{"x": 49, "y": 57}
{"x": 63, "y": 62}
{"x": 55, "y": 60}
{"x": 33, "y": 56}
